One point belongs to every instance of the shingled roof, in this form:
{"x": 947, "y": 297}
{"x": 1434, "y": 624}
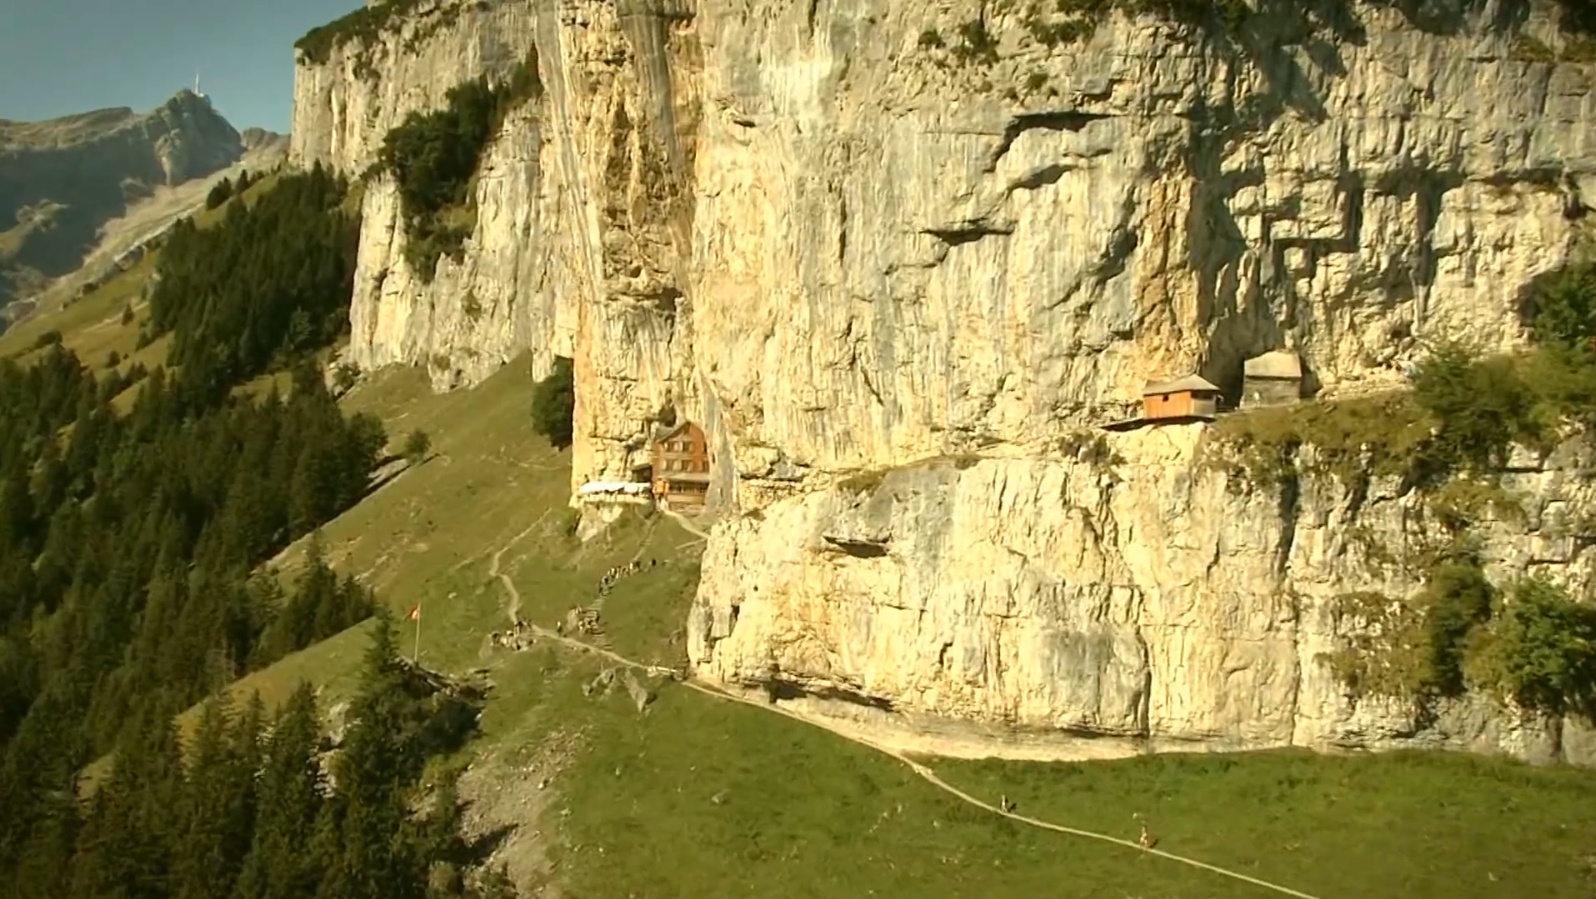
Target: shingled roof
{"x": 1193, "y": 383}
{"x": 1278, "y": 364}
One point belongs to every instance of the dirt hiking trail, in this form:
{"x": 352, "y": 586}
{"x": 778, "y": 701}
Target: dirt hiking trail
{"x": 513, "y": 605}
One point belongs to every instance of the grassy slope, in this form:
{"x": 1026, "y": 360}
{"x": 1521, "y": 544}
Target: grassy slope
{"x": 702, "y": 798}
{"x": 804, "y": 813}
{"x": 1403, "y": 824}
{"x": 92, "y": 325}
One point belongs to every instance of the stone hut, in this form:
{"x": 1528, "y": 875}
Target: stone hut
{"x": 1187, "y": 398}
{"x": 680, "y": 472}
{"x": 1273, "y": 379}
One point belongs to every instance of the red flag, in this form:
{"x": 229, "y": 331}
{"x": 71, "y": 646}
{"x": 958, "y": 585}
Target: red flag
{"x": 415, "y": 612}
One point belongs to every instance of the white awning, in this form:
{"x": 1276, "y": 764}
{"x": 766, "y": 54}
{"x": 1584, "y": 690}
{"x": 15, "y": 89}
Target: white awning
{"x": 592, "y": 487}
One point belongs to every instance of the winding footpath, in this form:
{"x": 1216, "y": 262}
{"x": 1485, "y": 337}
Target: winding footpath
{"x": 686, "y": 523}
{"x": 513, "y": 597}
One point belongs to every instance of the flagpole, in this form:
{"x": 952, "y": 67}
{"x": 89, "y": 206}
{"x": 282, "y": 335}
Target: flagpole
{"x": 415, "y": 657}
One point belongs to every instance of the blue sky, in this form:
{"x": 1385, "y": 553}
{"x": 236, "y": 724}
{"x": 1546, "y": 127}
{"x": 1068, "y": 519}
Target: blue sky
{"x": 64, "y": 56}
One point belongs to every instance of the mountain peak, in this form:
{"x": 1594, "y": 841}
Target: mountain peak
{"x": 63, "y": 178}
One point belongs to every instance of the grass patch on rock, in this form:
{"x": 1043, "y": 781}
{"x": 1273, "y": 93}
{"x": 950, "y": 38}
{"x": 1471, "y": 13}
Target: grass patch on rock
{"x": 868, "y": 481}
{"x": 863, "y": 482}
{"x": 1528, "y": 643}
{"x": 1375, "y": 435}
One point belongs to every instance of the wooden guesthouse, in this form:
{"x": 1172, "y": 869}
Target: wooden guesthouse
{"x": 680, "y": 470}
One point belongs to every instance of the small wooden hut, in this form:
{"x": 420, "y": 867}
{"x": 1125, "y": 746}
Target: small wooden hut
{"x": 1191, "y": 397}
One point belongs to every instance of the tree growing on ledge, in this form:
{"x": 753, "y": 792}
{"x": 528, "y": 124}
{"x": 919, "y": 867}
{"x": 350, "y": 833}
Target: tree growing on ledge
{"x": 1559, "y": 307}
{"x": 433, "y": 159}
{"x": 554, "y": 404}
{"x": 362, "y": 25}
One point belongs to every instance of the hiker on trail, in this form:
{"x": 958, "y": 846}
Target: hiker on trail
{"x": 1147, "y": 840}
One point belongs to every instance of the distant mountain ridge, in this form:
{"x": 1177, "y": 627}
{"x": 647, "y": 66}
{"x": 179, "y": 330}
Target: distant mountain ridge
{"x": 62, "y": 180}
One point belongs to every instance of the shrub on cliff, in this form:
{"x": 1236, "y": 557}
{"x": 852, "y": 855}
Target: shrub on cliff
{"x": 554, "y": 403}
{"x": 363, "y": 24}
{"x": 1533, "y": 644}
{"x": 1481, "y": 408}
{"x": 1559, "y": 307}
{"x": 416, "y": 446}
{"x": 1413, "y": 648}
{"x": 1540, "y": 650}
{"x": 433, "y": 158}
{"x": 1456, "y": 600}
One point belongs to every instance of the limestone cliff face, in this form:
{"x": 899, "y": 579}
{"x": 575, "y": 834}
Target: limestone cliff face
{"x": 572, "y": 195}
{"x": 1148, "y": 601}
{"x": 901, "y": 255}
{"x": 849, "y": 236}
{"x": 478, "y": 313}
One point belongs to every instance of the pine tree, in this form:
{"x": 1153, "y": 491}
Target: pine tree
{"x": 124, "y": 850}
{"x": 280, "y": 864}
{"x": 42, "y": 868}
{"x": 317, "y": 595}
{"x": 38, "y": 780}
{"x": 17, "y": 523}
{"x": 378, "y": 763}
{"x": 436, "y": 837}
{"x": 199, "y": 868}
{"x": 269, "y": 603}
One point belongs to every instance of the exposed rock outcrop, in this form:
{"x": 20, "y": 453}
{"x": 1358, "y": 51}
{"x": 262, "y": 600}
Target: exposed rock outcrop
{"x": 529, "y": 256}
{"x": 1151, "y": 601}
{"x": 845, "y": 237}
